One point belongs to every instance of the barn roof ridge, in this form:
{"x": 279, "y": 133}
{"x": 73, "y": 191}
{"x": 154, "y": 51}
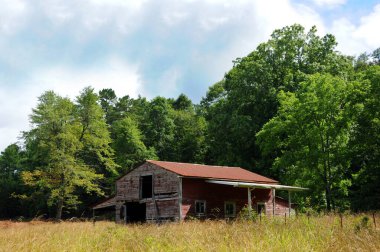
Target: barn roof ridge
{"x": 221, "y": 166}
{"x": 212, "y": 171}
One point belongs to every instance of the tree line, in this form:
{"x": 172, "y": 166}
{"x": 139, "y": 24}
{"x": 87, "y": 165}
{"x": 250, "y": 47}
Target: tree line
{"x": 295, "y": 109}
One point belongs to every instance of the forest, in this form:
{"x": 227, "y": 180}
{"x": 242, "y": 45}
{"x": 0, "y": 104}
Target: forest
{"x": 295, "y": 109}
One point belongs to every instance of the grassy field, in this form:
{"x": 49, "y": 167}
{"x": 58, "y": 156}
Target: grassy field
{"x": 297, "y": 234}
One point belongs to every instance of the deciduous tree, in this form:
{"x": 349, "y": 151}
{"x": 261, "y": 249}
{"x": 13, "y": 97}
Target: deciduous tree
{"x": 58, "y": 136}
{"x": 129, "y": 148}
{"x": 309, "y": 137}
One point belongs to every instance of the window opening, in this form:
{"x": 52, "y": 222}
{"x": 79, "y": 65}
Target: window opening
{"x": 146, "y": 186}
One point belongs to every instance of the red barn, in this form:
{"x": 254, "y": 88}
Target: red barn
{"x": 159, "y": 190}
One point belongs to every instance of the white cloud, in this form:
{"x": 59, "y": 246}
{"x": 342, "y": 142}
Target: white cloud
{"x": 344, "y": 31}
{"x": 213, "y": 22}
{"x": 355, "y": 39}
{"x": 329, "y": 3}
{"x": 17, "y": 103}
{"x": 135, "y": 5}
{"x": 14, "y": 112}
{"x": 9, "y": 136}
{"x": 114, "y": 73}
{"x": 174, "y": 18}
{"x": 272, "y": 14}
{"x": 167, "y": 85}
{"x": 368, "y": 28}
{"x": 12, "y": 15}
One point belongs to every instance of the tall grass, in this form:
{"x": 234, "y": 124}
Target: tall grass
{"x": 297, "y": 234}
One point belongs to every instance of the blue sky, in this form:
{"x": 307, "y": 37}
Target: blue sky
{"x": 149, "y": 47}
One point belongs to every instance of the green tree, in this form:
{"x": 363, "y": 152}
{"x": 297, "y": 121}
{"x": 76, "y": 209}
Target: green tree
{"x": 137, "y": 109}
{"x": 11, "y": 160}
{"x": 309, "y": 137}
{"x": 128, "y": 146}
{"x": 189, "y": 137}
{"x": 108, "y": 100}
{"x": 183, "y": 103}
{"x": 365, "y": 145}
{"x": 376, "y": 56}
{"x": 57, "y": 135}
{"x": 94, "y": 136}
{"x": 247, "y": 97}
{"x": 160, "y": 130}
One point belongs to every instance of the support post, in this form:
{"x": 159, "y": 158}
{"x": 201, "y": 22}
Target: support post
{"x": 125, "y": 212}
{"x": 290, "y": 203}
{"x": 274, "y": 201}
{"x": 249, "y": 201}
{"x": 374, "y": 219}
{"x": 117, "y": 212}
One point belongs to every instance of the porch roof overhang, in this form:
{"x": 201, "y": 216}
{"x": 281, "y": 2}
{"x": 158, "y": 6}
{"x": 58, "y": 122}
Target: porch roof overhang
{"x": 105, "y": 203}
{"x": 257, "y": 185}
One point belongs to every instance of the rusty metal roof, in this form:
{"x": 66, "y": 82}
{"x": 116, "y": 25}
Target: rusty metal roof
{"x": 213, "y": 172}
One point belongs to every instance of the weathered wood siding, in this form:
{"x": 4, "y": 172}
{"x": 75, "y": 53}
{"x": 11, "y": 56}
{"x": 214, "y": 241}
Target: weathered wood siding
{"x": 167, "y": 209}
{"x": 164, "y": 203}
{"x": 164, "y": 182}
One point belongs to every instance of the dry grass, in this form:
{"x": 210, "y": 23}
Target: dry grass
{"x": 298, "y": 234}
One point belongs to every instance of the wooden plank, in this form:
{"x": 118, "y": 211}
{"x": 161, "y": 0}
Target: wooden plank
{"x": 180, "y": 198}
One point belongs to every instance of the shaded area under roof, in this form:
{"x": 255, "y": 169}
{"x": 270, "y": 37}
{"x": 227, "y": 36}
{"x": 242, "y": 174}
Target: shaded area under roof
{"x": 213, "y": 172}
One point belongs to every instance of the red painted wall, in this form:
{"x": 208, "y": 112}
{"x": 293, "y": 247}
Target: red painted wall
{"x": 215, "y": 195}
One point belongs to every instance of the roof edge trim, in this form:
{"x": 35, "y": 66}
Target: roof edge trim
{"x": 257, "y": 185}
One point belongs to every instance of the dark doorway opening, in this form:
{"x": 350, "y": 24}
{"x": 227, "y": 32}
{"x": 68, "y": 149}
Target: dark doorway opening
{"x": 146, "y": 186}
{"x": 136, "y": 212}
